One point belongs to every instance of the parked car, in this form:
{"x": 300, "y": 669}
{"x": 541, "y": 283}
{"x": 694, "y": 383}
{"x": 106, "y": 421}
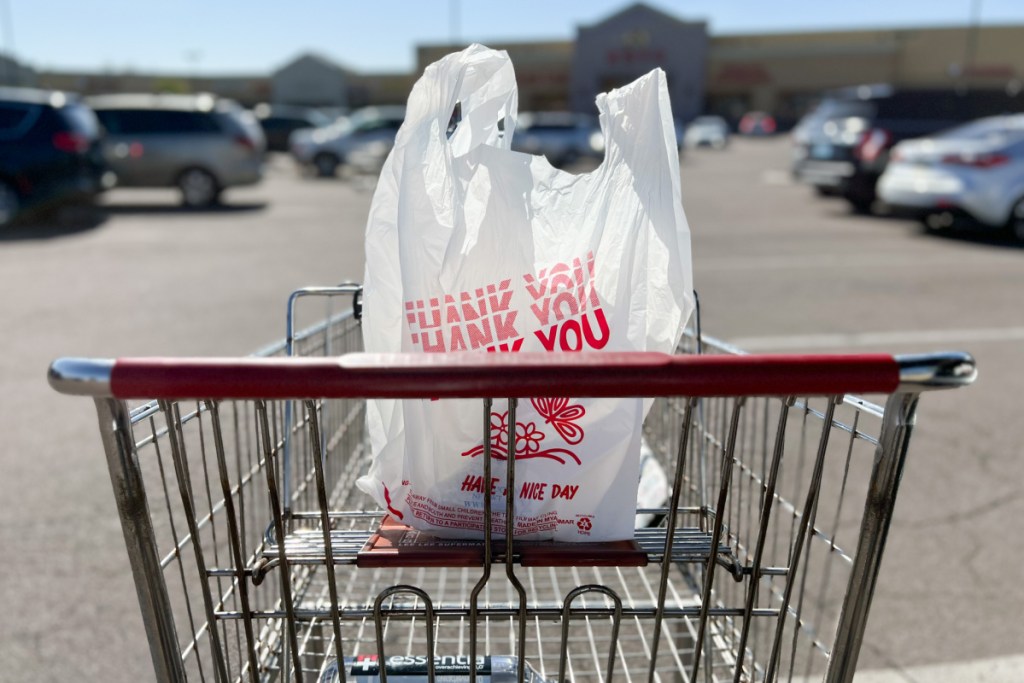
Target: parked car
{"x": 49, "y": 152}
{"x": 758, "y": 123}
{"x": 280, "y": 121}
{"x": 327, "y": 148}
{"x": 198, "y": 143}
{"x": 849, "y": 148}
{"x": 808, "y": 127}
{"x": 562, "y": 137}
{"x": 976, "y": 169}
{"x": 707, "y": 131}
{"x": 367, "y": 158}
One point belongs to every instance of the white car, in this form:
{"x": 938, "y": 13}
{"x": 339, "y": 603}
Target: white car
{"x": 710, "y": 131}
{"x": 976, "y": 169}
{"x": 327, "y": 148}
{"x": 562, "y": 137}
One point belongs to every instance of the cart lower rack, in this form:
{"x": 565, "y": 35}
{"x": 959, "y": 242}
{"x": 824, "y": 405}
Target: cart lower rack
{"x": 248, "y": 539}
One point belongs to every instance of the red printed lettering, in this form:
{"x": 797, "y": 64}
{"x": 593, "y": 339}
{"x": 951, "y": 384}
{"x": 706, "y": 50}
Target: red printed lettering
{"x": 547, "y": 341}
{"x": 499, "y": 304}
{"x": 451, "y": 310}
{"x": 457, "y": 342}
{"x": 543, "y": 312}
{"x": 573, "y": 335}
{"x": 588, "y": 332}
{"x": 567, "y": 492}
{"x": 505, "y": 325}
{"x": 536, "y": 288}
{"x": 470, "y": 313}
{"x": 560, "y": 277}
{"x": 421, "y": 315}
{"x": 437, "y": 346}
{"x": 514, "y": 347}
{"x": 532, "y": 491}
{"x": 571, "y": 327}
{"x": 563, "y": 301}
{"x": 479, "y": 335}
{"x": 465, "y": 322}
{"x": 474, "y": 483}
{"x": 563, "y": 290}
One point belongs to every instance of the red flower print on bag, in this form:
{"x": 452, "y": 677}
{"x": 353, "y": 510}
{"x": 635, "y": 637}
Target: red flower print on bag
{"x": 529, "y": 438}
{"x": 559, "y": 414}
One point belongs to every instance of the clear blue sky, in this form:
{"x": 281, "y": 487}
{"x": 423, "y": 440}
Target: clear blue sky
{"x": 256, "y": 36}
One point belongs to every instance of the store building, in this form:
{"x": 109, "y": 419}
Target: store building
{"x": 568, "y": 75}
{"x": 310, "y": 80}
{"x": 629, "y": 44}
{"x": 782, "y": 73}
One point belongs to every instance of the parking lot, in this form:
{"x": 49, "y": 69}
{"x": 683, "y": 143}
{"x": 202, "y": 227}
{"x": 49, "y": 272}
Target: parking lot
{"x": 778, "y": 269}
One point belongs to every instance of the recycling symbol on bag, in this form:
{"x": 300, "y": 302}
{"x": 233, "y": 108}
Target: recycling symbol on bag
{"x": 584, "y": 524}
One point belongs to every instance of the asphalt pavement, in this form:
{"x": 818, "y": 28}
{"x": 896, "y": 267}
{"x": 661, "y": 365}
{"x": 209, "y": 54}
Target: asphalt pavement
{"x": 777, "y": 267}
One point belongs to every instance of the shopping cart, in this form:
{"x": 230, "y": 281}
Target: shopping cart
{"x": 248, "y": 539}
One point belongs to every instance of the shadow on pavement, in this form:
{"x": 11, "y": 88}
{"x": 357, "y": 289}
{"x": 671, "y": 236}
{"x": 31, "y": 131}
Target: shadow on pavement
{"x": 72, "y": 220}
{"x": 168, "y": 208}
{"x": 64, "y": 222}
{"x": 983, "y": 236}
{"x": 963, "y": 229}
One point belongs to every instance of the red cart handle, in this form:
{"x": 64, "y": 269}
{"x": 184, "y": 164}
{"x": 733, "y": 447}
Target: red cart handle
{"x": 481, "y": 375}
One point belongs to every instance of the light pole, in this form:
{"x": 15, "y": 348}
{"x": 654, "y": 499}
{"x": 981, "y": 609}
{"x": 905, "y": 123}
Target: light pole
{"x": 193, "y": 57}
{"x": 454, "y": 19}
{"x": 972, "y": 38}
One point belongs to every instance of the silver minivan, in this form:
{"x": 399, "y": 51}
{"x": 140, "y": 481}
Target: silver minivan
{"x": 200, "y": 144}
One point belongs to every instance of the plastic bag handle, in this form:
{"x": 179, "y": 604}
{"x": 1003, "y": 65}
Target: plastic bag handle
{"x": 636, "y": 121}
{"x": 480, "y": 80}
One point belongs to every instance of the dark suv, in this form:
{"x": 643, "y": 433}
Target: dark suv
{"x": 280, "y": 121}
{"x": 844, "y": 148}
{"x": 49, "y": 152}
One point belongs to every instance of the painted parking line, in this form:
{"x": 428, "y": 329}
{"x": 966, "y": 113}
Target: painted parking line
{"x": 853, "y": 339}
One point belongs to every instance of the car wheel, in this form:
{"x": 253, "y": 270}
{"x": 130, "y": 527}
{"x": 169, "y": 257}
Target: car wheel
{"x": 1015, "y": 226}
{"x": 9, "y": 204}
{"x": 936, "y": 222}
{"x": 198, "y": 188}
{"x": 326, "y": 164}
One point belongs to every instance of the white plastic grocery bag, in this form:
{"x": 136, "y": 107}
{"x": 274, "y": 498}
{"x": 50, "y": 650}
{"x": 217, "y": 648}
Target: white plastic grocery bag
{"x": 473, "y": 247}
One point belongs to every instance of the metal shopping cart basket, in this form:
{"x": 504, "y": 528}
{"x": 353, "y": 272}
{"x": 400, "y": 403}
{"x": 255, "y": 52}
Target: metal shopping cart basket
{"x": 248, "y": 539}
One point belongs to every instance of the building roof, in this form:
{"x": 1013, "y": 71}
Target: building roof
{"x": 635, "y": 11}
{"x": 314, "y": 59}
